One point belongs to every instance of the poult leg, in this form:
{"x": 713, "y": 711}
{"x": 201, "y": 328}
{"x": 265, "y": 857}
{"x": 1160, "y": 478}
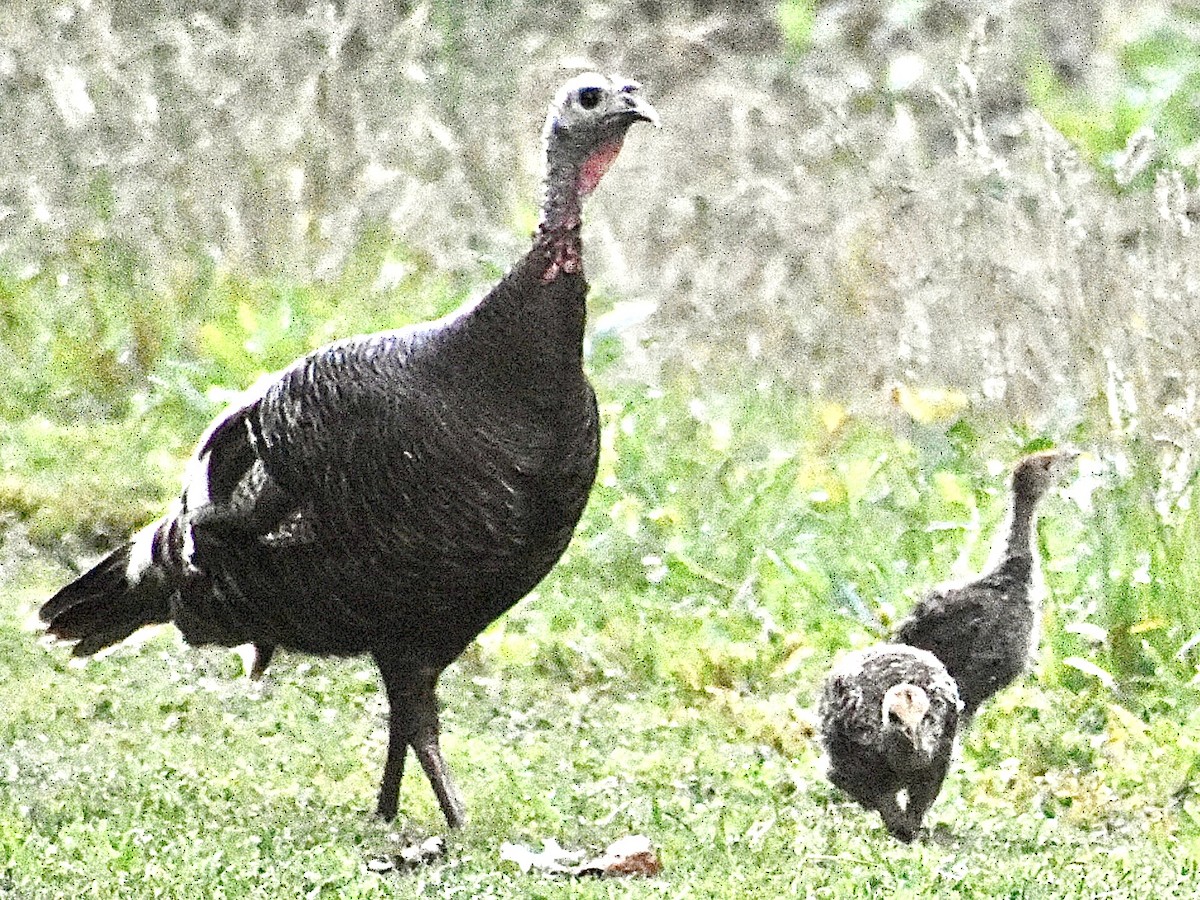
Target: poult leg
{"x": 924, "y": 790}
{"x": 895, "y": 818}
{"x": 262, "y": 659}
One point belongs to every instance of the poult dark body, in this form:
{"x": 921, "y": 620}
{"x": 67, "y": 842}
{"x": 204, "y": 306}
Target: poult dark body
{"x": 394, "y": 493}
{"x": 986, "y": 630}
{"x": 874, "y": 750}
{"x": 983, "y": 632}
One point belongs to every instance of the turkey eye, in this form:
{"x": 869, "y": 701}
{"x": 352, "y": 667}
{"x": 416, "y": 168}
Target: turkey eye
{"x": 589, "y": 97}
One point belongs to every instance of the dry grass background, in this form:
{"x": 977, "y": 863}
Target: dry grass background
{"x": 886, "y": 205}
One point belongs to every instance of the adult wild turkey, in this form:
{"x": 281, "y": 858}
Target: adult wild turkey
{"x": 392, "y": 493}
{"x": 888, "y": 719}
{"x": 985, "y": 630}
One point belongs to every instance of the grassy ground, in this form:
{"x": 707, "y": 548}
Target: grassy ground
{"x": 659, "y": 681}
{"x": 162, "y": 774}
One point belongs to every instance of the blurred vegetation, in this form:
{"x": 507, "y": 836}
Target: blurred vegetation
{"x": 1153, "y": 90}
{"x": 878, "y": 251}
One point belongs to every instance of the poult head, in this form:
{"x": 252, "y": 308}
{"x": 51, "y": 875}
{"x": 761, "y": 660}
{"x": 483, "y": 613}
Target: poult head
{"x": 587, "y": 122}
{"x": 1034, "y": 475}
{"x": 916, "y": 726}
{"x": 904, "y": 707}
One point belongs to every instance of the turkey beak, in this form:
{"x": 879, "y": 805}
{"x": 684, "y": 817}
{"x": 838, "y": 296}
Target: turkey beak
{"x": 1066, "y": 459}
{"x": 639, "y": 109}
{"x": 911, "y": 718}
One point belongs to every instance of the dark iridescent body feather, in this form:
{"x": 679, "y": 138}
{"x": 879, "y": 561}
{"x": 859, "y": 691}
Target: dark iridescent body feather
{"x": 983, "y": 632}
{"x": 474, "y": 484}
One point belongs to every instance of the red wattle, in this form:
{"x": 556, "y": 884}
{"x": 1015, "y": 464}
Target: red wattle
{"x": 596, "y": 165}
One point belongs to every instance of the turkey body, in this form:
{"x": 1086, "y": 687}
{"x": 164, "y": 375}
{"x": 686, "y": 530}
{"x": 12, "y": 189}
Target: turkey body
{"x": 391, "y": 493}
{"x": 986, "y": 630}
{"x": 889, "y": 715}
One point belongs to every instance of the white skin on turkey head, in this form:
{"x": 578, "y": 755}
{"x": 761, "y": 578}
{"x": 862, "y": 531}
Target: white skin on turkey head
{"x": 584, "y": 131}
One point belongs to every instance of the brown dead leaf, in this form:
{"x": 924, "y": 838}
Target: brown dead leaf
{"x": 630, "y": 855}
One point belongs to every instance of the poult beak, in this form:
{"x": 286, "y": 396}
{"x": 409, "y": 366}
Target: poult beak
{"x": 1066, "y": 458}
{"x": 911, "y": 719}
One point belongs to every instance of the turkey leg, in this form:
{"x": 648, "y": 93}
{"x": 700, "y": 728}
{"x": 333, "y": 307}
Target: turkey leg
{"x": 413, "y": 721}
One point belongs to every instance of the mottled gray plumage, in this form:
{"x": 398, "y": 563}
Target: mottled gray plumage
{"x": 392, "y": 493}
{"x": 985, "y": 630}
{"x": 889, "y": 714}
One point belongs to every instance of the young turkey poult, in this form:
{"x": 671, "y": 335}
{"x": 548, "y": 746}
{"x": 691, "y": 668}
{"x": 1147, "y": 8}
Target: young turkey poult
{"x": 393, "y": 493}
{"x": 984, "y": 631}
{"x": 889, "y": 714}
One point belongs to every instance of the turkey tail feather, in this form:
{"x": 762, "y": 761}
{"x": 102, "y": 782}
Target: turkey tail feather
{"x": 108, "y": 603}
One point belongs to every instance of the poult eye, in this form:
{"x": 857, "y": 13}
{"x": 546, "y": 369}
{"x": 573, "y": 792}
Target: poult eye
{"x": 589, "y": 97}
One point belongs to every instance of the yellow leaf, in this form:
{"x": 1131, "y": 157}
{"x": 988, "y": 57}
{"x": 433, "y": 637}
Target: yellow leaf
{"x": 928, "y": 405}
{"x": 664, "y": 515}
{"x": 810, "y": 473}
{"x": 722, "y": 434}
{"x": 856, "y": 477}
{"x": 248, "y": 318}
{"x": 832, "y": 416}
{"x": 951, "y": 489}
{"x": 1147, "y": 625}
{"x": 1128, "y": 722}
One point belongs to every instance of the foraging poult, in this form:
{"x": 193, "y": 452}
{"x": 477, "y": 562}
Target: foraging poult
{"x": 985, "y": 630}
{"x": 889, "y": 715}
{"x": 392, "y": 493}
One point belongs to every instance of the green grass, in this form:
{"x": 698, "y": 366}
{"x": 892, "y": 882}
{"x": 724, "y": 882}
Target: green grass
{"x": 660, "y": 681}
{"x": 160, "y": 773}
{"x": 742, "y": 533}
